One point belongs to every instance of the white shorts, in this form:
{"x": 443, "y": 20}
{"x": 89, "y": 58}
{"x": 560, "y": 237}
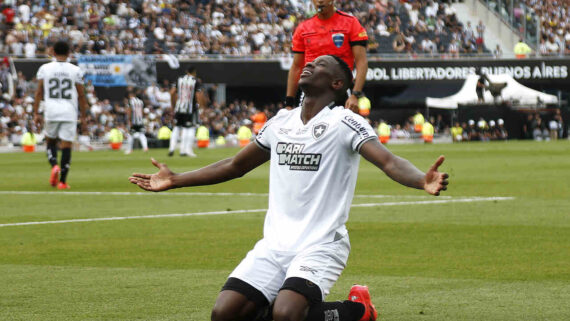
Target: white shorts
{"x": 266, "y": 269}
{"x": 64, "y": 130}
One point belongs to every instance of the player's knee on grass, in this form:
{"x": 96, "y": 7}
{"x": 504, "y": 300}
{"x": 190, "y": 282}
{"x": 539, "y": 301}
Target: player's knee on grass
{"x": 232, "y": 306}
{"x": 238, "y": 301}
{"x": 290, "y": 306}
{"x": 295, "y": 298}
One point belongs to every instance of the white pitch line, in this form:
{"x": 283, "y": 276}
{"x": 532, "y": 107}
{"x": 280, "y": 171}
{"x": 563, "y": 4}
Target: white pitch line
{"x": 460, "y": 200}
{"x": 185, "y": 194}
{"x": 129, "y": 193}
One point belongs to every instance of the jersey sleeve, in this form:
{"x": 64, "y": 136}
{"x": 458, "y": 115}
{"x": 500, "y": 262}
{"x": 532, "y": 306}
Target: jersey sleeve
{"x": 298, "y": 45}
{"x": 41, "y": 73}
{"x": 358, "y": 35}
{"x": 78, "y": 76}
{"x": 356, "y": 130}
{"x": 263, "y": 138}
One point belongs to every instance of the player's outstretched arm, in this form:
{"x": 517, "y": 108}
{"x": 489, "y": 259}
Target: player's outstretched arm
{"x": 404, "y": 172}
{"x": 246, "y": 160}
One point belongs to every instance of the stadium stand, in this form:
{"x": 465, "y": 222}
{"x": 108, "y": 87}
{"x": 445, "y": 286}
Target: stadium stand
{"x": 194, "y": 28}
{"x": 526, "y": 16}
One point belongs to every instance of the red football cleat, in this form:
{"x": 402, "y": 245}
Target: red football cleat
{"x": 54, "y": 177}
{"x": 360, "y": 294}
{"x": 63, "y": 185}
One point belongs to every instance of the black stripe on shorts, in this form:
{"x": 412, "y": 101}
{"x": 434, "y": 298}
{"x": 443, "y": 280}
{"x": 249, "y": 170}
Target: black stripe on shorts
{"x": 251, "y": 293}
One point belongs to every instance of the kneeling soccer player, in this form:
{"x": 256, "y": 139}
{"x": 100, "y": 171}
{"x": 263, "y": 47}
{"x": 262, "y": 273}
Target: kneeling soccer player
{"x": 314, "y": 154}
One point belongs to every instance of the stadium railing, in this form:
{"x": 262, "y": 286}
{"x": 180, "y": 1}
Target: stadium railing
{"x": 520, "y": 18}
{"x": 371, "y": 57}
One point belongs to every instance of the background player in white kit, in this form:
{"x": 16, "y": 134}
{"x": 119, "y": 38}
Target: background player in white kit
{"x": 135, "y": 122}
{"x": 60, "y": 85}
{"x": 314, "y": 154}
{"x": 188, "y": 98}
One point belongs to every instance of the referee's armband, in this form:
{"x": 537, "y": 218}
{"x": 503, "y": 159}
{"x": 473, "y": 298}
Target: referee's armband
{"x": 363, "y": 43}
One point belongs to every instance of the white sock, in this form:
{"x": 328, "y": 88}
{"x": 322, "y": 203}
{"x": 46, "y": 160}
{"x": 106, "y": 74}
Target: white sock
{"x": 142, "y": 138}
{"x": 130, "y": 142}
{"x": 191, "y": 133}
{"x": 184, "y": 141}
{"x": 174, "y": 138}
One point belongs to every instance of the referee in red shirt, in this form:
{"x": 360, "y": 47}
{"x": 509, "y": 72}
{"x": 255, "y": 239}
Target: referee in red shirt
{"x": 329, "y": 32}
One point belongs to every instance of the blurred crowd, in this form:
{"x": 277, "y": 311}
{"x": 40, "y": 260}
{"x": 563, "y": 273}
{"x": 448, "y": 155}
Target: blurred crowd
{"x": 233, "y": 27}
{"x": 538, "y": 129}
{"x": 481, "y": 130}
{"x": 555, "y": 26}
{"x": 193, "y": 28}
{"x": 221, "y": 118}
{"x": 224, "y": 119}
{"x": 546, "y": 127}
{"x": 415, "y": 127}
{"x": 428, "y": 27}
{"x": 551, "y": 15}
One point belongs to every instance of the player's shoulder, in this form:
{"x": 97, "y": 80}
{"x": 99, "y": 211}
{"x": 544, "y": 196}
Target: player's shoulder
{"x": 347, "y": 116}
{"x": 340, "y": 112}
{"x": 285, "y": 113}
{"x": 47, "y": 65}
{"x": 344, "y": 15}
{"x": 73, "y": 67}
{"x": 282, "y": 116}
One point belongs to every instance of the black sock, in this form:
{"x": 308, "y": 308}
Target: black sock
{"x": 51, "y": 151}
{"x": 65, "y": 161}
{"x": 336, "y": 311}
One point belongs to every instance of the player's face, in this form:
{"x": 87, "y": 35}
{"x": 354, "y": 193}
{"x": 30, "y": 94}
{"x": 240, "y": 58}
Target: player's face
{"x": 318, "y": 73}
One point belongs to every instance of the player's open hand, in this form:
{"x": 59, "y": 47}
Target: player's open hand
{"x": 436, "y": 181}
{"x": 160, "y": 181}
{"x": 352, "y": 104}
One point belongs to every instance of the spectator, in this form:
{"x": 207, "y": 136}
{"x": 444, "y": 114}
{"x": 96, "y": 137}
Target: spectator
{"x": 480, "y": 40}
{"x": 522, "y": 50}
{"x": 472, "y": 132}
{"x": 213, "y": 27}
{"x": 498, "y": 52}
{"x": 456, "y": 133}
{"x": 492, "y": 133}
{"x": 554, "y": 126}
{"x": 399, "y": 43}
{"x": 502, "y": 133}
{"x": 453, "y": 49}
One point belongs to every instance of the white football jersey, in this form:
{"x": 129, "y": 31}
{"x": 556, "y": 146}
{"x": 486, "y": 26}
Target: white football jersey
{"x": 60, "y": 95}
{"x": 137, "y": 114}
{"x": 313, "y": 174}
{"x": 187, "y": 87}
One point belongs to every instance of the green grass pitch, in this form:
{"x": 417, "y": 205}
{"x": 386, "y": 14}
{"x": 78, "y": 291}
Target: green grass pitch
{"x": 480, "y": 260}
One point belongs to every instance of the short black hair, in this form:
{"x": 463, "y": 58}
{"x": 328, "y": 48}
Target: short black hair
{"x": 191, "y": 70}
{"x": 61, "y": 47}
{"x": 348, "y": 80}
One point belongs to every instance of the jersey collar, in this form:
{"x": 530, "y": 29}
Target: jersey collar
{"x": 323, "y": 111}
